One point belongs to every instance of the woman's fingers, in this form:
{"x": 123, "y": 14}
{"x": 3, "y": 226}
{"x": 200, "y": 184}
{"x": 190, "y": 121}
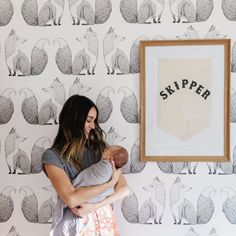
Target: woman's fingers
{"x": 75, "y": 211}
{"x": 84, "y": 209}
{"x": 115, "y": 174}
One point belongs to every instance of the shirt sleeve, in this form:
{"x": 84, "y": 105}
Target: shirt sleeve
{"x": 50, "y": 157}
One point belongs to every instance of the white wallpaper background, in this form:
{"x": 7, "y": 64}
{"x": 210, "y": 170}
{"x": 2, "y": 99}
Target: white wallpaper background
{"x": 191, "y": 199}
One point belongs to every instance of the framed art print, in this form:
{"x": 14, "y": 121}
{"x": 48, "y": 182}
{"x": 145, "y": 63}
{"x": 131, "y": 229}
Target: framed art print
{"x": 185, "y": 92}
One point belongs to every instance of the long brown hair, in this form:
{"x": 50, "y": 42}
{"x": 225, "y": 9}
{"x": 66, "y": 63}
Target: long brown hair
{"x": 71, "y": 139}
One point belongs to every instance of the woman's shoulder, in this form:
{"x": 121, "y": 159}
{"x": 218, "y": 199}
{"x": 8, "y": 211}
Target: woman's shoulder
{"x": 50, "y": 151}
{"x": 51, "y": 155}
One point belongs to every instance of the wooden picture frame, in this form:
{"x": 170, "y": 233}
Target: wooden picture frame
{"x": 185, "y": 100}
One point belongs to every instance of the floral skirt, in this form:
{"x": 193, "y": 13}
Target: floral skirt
{"x": 98, "y": 223}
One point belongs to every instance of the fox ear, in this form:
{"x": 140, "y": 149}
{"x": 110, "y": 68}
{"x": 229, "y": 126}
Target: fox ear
{"x": 57, "y": 80}
{"x": 157, "y": 179}
{"x": 12, "y": 228}
{"x": 12, "y": 130}
{"x": 191, "y": 27}
{"x": 110, "y": 30}
{"x": 110, "y": 130}
{"x": 192, "y": 230}
{"x": 212, "y": 28}
{"x": 177, "y": 180}
{"x": 90, "y": 30}
{"x": 12, "y": 32}
{"x": 76, "y": 80}
{"x": 213, "y": 231}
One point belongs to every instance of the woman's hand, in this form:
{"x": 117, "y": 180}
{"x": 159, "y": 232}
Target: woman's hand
{"x": 83, "y": 209}
{"x": 75, "y": 211}
{"x": 115, "y": 175}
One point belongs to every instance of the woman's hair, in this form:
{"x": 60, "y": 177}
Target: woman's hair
{"x": 71, "y": 139}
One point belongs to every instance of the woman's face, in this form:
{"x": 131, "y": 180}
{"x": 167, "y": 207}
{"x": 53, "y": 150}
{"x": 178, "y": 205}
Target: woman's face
{"x": 89, "y": 123}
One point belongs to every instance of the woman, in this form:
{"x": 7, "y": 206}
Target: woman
{"x": 79, "y": 144}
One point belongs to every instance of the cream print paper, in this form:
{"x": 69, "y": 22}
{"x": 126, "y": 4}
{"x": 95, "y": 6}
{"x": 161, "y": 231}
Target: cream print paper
{"x": 184, "y": 104}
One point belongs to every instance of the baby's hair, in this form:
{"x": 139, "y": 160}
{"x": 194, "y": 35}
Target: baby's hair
{"x": 120, "y": 156}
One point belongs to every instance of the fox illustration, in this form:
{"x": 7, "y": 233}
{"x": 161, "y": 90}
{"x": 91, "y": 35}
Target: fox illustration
{"x": 85, "y": 59}
{"x": 178, "y": 167}
{"x": 192, "y": 232}
{"x": 134, "y": 165}
{"x": 6, "y": 105}
{"x": 148, "y": 9}
{"x": 233, "y": 63}
{"x": 104, "y": 104}
{"x": 229, "y": 9}
{"x": 185, "y": 9}
{"x": 17, "y": 61}
{"x": 213, "y": 232}
{"x": 82, "y": 10}
{"x": 29, "y": 205}
{"x": 6, "y": 12}
{"x": 183, "y": 209}
{"x": 112, "y": 137}
{"x": 17, "y": 159}
{"x": 13, "y": 232}
{"x": 191, "y": 33}
{"x": 229, "y": 205}
{"x": 115, "y": 58}
{"x": 6, "y": 203}
{"x": 158, "y": 199}
{"x": 225, "y": 168}
{"x": 129, "y": 105}
{"x": 49, "y": 110}
{"x": 151, "y": 210}
{"x": 51, "y": 10}
{"x": 78, "y": 88}
{"x": 214, "y": 34}
{"x": 233, "y": 105}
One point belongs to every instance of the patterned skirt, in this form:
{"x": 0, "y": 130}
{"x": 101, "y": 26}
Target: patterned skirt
{"x": 101, "y": 222}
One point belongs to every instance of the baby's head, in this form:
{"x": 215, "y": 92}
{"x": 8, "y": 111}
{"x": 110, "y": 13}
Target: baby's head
{"x": 119, "y": 154}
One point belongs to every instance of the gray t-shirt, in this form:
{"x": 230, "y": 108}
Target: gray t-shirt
{"x": 51, "y": 156}
{"x": 95, "y": 171}
{"x": 63, "y": 219}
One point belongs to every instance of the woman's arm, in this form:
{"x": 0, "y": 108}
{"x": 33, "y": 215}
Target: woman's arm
{"x": 75, "y": 196}
{"x": 121, "y": 190}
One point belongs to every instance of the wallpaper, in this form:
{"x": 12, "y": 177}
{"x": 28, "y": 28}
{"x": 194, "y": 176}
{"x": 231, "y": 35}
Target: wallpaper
{"x": 52, "y": 49}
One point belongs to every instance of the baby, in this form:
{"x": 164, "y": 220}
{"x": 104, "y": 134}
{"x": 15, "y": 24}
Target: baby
{"x": 101, "y": 171}
{"x": 97, "y": 173}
